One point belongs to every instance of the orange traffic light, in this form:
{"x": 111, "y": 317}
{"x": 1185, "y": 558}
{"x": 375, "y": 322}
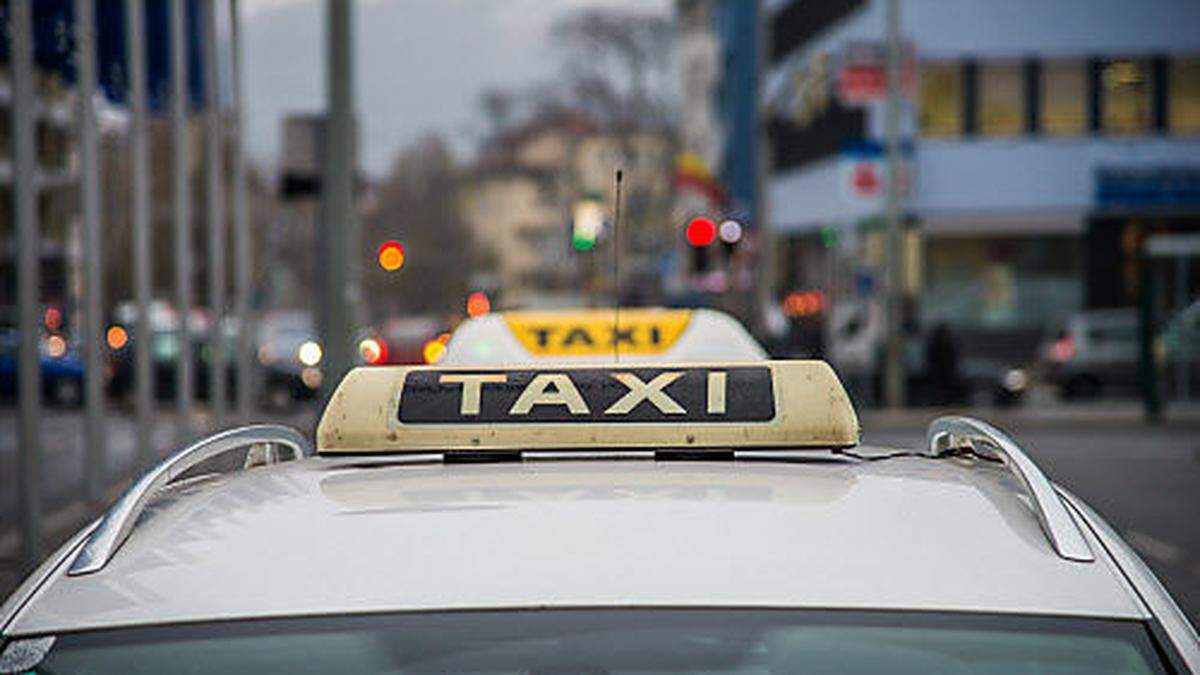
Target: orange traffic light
{"x": 391, "y": 256}
{"x": 117, "y": 337}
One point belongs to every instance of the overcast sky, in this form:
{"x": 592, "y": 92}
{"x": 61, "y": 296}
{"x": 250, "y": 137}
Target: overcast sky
{"x": 420, "y": 64}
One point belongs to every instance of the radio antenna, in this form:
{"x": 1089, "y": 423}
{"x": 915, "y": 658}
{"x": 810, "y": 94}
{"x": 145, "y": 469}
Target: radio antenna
{"x": 616, "y": 269}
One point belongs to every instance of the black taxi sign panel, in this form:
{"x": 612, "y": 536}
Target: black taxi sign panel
{"x": 778, "y": 404}
{"x": 588, "y": 396}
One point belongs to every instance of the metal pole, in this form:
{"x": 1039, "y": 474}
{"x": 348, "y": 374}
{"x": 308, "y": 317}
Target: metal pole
{"x": 894, "y": 350}
{"x": 241, "y": 234}
{"x": 1152, "y": 404}
{"x": 1182, "y": 363}
{"x": 29, "y": 377}
{"x": 215, "y": 220}
{"x": 91, "y": 324}
{"x": 339, "y": 241}
{"x": 135, "y": 53}
{"x": 766, "y": 269}
{"x": 182, "y": 215}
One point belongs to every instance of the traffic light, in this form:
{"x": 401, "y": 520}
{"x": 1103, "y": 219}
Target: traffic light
{"x": 478, "y": 304}
{"x": 587, "y": 223}
{"x": 391, "y": 256}
{"x": 700, "y": 233}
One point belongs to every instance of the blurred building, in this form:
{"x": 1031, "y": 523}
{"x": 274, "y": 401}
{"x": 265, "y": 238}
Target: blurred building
{"x": 1042, "y": 142}
{"x": 523, "y": 197}
{"x": 56, "y": 181}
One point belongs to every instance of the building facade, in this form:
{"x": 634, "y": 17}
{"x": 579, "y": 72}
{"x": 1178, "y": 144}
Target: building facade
{"x": 1041, "y": 142}
{"x": 523, "y": 198}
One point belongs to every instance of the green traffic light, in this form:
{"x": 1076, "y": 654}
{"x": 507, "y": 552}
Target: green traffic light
{"x": 583, "y": 243}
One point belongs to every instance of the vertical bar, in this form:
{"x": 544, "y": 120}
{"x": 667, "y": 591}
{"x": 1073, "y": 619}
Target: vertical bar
{"x": 970, "y": 98}
{"x": 1147, "y": 315}
{"x": 182, "y": 216}
{"x": 214, "y": 219}
{"x": 894, "y": 378}
{"x": 29, "y": 376}
{"x": 339, "y": 242}
{"x": 135, "y": 55}
{"x": 1182, "y": 362}
{"x": 241, "y": 233}
{"x": 91, "y": 324}
{"x": 1032, "y": 83}
{"x": 766, "y": 271}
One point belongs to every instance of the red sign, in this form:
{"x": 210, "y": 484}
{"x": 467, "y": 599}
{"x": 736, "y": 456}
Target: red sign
{"x": 866, "y": 179}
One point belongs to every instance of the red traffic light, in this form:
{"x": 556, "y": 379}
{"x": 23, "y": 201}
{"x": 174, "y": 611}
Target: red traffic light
{"x": 478, "y": 304}
{"x": 701, "y": 232}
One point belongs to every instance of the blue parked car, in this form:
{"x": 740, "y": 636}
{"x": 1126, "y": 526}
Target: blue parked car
{"x": 62, "y": 369}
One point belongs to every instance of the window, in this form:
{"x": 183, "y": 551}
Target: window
{"x": 1183, "y": 96}
{"x": 615, "y": 641}
{"x": 941, "y": 99}
{"x": 1001, "y": 99}
{"x": 1062, "y": 93}
{"x": 1125, "y": 97}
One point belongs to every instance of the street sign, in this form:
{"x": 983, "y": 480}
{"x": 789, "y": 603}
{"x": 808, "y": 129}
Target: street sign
{"x": 862, "y": 73}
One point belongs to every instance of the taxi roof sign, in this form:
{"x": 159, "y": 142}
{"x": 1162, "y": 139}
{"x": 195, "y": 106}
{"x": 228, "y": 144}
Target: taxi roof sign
{"x": 597, "y": 332}
{"x": 597, "y": 336}
{"x": 775, "y": 404}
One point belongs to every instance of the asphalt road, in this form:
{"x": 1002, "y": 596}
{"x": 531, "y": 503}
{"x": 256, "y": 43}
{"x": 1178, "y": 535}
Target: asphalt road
{"x": 1144, "y": 479}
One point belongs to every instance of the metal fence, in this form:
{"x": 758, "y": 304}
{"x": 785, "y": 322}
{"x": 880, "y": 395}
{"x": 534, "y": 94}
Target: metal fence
{"x": 155, "y": 39}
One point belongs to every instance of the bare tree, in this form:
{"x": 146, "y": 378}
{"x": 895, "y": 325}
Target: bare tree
{"x": 616, "y": 64}
{"x": 418, "y": 207}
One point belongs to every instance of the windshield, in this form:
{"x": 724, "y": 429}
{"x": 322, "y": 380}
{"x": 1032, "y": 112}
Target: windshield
{"x": 618, "y": 641}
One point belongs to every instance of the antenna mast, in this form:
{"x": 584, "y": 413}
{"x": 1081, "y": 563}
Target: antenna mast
{"x": 616, "y": 269}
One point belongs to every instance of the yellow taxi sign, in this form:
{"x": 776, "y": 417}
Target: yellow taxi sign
{"x": 599, "y": 332}
{"x": 775, "y": 404}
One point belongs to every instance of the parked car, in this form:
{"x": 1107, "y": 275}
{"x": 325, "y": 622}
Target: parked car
{"x": 1093, "y": 352}
{"x": 62, "y": 369}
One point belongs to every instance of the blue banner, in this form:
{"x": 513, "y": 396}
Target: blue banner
{"x": 54, "y": 47}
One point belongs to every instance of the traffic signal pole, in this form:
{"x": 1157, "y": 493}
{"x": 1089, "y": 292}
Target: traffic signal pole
{"x": 893, "y": 376}
{"x": 338, "y": 241}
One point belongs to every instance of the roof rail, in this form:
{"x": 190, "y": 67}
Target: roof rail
{"x": 966, "y": 432}
{"x": 118, "y": 522}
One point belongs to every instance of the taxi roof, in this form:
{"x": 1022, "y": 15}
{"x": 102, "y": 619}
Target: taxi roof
{"x": 582, "y": 336}
{"x": 350, "y": 535}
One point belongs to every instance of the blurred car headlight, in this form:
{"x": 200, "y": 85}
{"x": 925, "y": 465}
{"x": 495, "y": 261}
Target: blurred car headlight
{"x": 309, "y": 353}
{"x": 1015, "y": 380}
{"x": 372, "y": 350}
{"x": 311, "y": 377}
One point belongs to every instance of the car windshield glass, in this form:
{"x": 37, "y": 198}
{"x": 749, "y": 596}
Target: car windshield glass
{"x": 617, "y": 641}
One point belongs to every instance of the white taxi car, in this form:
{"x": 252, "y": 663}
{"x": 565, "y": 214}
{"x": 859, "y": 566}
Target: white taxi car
{"x": 647, "y": 335}
{"x": 658, "y": 518}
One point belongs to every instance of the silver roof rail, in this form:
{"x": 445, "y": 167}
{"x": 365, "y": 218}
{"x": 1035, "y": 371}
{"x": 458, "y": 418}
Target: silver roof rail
{"x": 118, "y": 522}
{"x": 965, "y": 432}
